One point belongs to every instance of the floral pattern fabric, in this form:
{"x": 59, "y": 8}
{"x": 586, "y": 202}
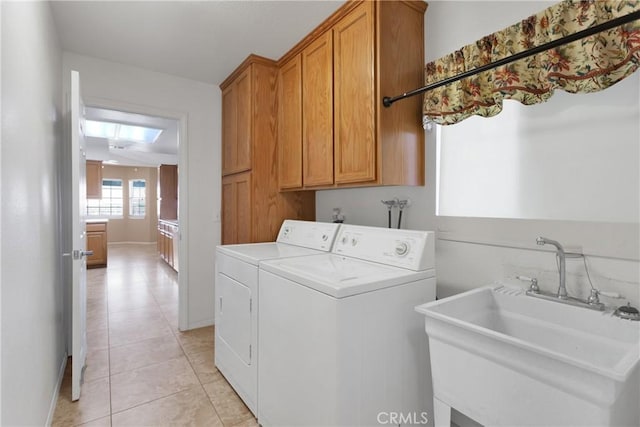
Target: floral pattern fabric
{"x": 587, "y": 65}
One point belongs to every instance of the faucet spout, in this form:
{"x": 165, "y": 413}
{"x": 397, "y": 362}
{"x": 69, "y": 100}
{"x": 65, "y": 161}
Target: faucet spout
{"x": 562, "y": 288}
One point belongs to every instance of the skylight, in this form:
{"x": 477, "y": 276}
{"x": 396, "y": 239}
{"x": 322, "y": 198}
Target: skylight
{"x": 121, "y": 131}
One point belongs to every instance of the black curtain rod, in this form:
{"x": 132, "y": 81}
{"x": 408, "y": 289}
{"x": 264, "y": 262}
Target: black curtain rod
{"x": 387, "y": 101}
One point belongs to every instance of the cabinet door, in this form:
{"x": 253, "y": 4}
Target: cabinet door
{"x": 236, "y": 125}
{"x": 168, "y": 177}
{"x": 354, "y": 96}
{"x": 317, "y": 111}
{"x": 290, "y": 124}
{"x": 94, "y": 179}
{"x": 229, "y": 129}
{"x": 97, "y": 242}
{"x": 236, "y": 208}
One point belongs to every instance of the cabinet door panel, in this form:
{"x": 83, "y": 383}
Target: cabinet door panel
{"x": 229, "y": 234}
{"x": 97, "y": 242}
{"x": 244, "y": 221}
{"x": 94, "y": 179}
{"x": 354, "y": 96}
{"x": 229, "y": 129}
{"x": 290, "y": 125}
{"x": 236, "y": 208}
{"x": 244, "y": 112}
{"x": 317, "y": 111}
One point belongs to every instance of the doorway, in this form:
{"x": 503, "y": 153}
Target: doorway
{"x": 168, "y": 149}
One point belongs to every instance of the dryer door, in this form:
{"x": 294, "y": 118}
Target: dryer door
{"x": 234, "y": 321}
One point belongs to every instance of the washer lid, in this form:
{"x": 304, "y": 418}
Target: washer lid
{"x": 340, "y": 276}
{"x": 253, "y": 253}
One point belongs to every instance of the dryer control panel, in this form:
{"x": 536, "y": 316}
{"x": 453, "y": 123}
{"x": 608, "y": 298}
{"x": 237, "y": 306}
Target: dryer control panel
{"x": 308, "y": 234}
{"x": 411, "y": 249}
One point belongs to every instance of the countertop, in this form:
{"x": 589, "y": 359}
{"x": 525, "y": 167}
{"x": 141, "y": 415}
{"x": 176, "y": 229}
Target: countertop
{"x": 96, "y": 221}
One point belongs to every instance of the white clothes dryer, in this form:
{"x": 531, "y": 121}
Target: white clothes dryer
{"x": 340, "y": 341}
{"x": 237, "y": 289}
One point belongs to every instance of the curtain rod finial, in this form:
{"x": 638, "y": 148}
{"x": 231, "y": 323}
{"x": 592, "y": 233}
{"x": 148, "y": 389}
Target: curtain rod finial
{"x": 386, "y": 101}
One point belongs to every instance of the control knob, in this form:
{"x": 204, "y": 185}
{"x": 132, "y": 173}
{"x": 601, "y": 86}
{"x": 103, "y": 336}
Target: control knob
{"x": 402, "y": 248}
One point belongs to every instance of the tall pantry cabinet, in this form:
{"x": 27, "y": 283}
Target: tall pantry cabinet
{"x": 252, "y": 206}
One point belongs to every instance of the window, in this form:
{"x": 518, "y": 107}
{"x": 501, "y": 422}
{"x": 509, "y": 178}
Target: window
{"x": 137, "y": 192}
{"x": 111, "y": 203}
{"x": 121, "y": 131}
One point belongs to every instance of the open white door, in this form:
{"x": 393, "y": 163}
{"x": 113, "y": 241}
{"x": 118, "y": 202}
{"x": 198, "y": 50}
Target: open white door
{"x": 78, "y": 237}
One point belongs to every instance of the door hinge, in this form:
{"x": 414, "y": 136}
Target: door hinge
{"x": 249, "y": 351}
{"x": 251, "y": 305}
{"x": 220, "y": 304}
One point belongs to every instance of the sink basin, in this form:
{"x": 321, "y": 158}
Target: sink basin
{"x": 504, "y": 358}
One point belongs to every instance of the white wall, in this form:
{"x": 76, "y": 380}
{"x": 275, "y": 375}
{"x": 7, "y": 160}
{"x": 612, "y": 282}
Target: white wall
{"x": 115, "y": 85}
{"x": 32, "y": 324}
{"x": 472, "y": 252}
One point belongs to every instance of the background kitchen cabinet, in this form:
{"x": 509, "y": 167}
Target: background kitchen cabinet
{"x": 364, "y": 51}
{"x": 167, "y": 242}
{"x": 252, "y": 206}
{"x": 168, "y": 181}
{"x": 94, "y": 179}
{"x": 97, "y": 242}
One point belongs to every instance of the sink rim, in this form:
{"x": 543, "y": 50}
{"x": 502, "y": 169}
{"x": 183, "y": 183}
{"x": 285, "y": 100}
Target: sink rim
{"x": 619, "y": 372}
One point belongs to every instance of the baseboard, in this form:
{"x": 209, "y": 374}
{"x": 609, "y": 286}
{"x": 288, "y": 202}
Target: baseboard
{"x": 201, "y": 324}
{"x": 56, "y": 392}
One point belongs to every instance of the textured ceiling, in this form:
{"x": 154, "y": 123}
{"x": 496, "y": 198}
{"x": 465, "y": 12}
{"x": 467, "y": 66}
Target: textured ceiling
{"x": 198, "y": 40}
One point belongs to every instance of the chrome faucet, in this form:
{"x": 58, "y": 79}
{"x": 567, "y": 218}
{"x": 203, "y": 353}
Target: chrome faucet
{"x": 562, "y": 289}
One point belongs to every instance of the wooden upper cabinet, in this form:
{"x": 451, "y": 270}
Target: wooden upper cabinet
{"x": 401, "y": 68}
{"x": 354, "y": 96}
{"x": 317, "y": 112}
{"x": 364, "y": 51}
{"x": 290, "y": 124}
{"x": 236, "y": 125}
{"x": 168, "y": 179}
{"x": 94, "y": 179}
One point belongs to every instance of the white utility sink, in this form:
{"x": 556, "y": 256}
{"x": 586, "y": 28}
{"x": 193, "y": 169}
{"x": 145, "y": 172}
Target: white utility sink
{"x": 504, "y": 358}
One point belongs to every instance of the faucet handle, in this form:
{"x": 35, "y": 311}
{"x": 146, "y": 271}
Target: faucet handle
{"x": 594, "y": 297}
{"x": 533, "y": 287}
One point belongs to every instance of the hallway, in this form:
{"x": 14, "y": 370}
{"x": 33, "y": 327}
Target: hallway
{"x": 141, "y": 370}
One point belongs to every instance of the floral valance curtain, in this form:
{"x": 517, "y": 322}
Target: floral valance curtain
{"x": 587, "y": 65}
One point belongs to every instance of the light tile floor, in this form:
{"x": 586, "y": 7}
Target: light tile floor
{"x": 141, "y": 370}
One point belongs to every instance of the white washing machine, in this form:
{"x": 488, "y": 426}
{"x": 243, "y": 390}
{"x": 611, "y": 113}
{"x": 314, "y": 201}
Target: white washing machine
{"x": 237, "y": 288}
{"x": 340, "y": 341}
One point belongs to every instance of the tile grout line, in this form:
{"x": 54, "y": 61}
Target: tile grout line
{"x": 109, "y": 354}
{"x": 152, "y": 400}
